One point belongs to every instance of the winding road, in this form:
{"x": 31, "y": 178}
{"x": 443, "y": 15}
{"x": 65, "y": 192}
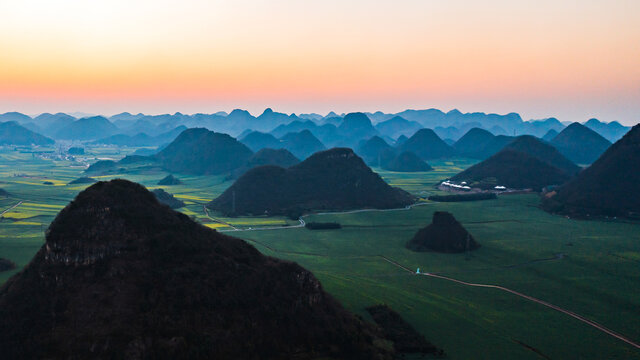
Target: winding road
{"x": 432, "y": 275}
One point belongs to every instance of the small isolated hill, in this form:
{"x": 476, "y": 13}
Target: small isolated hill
{"x": 122, "y": 276}
{"x": 473, "y": 143}
{"x": 301, "y": 144}
{"x": 11, "y": 133}
{"x": 550, "y": 135}
{"x": 580, "y": 144}
{"x": 102, "y": 167}
{"x": 370, "y": 150}
{"x": 513, "y": 169}
{"x": 398, "y": 126}
{"x": 336, "y": 179}
{"x": 90, "y": 128}
{"x": 199, "y": 151}
{"x": 445, "y": 234}
{"x": 606, "y": 188}
{"x": 82, "y": 180}
{"x": 167, "y": 199}
{"x": 170, "y": 180}
{"x": 542, "y": 151}
{"x": 427, "y": 145}
{"x": 256, "y": 140}
{"x": 406, "y": 162}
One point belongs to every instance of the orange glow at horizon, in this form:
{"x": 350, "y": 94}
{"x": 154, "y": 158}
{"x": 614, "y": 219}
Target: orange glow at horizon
{"x": 540, "y": 58}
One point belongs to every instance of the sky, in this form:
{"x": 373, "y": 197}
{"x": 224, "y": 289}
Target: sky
{"x": 570, "y": 59}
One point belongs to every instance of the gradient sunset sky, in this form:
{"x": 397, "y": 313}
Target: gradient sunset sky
{"x": 570, "y": 59}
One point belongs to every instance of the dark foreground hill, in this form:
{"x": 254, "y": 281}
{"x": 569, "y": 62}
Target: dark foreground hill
{"x": 580, "y": 144}
{"x": 335, "y": 179}
{"x": 121, "y": 276}
{"x": 167, "y": 199}
{"x": 606, "y": 188}
{"x": 11, "y": 133}
{"x": 444, "y": 234}
{"x": 513, "y": 169}
{"x": 199, "y": 151}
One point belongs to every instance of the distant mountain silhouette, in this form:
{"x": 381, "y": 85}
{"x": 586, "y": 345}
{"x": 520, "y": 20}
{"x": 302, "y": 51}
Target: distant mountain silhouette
{"x": 87, "y": 129}
{"x": 141, "y": 139}
{"x": 169, "y": 180}
{"x": 370, "y": 150}
{"x": 612, "y": 131}
{"x": 607, "y": 187}
{"x": 401, "y": 140}
{"x": 335, "y": 179}
{"x": 49, "y": 124}
{"x": 474, "y": 143}
{"x": 122, "y": 276}
{"x": 278, "y": 157}
{"x": 542, "y": 151}
{"x": 256, "y": 140}
{"x": 445, "y": 234}
{"x": 301, "y": 144}
{"x": 397, "y": 126}
{"x": 199, "y": 151}
{"x": 539, "y": 128}
{"x": 294, "y": 126}
{"x": 269, "y": 119}
{"x": 11, "y": 133}
{"x": 513, "y": 169}
{"x": 550, "y": 135}
{"x": 15, "y": 116}
{"x": 356, "y": 127}
{"x": 406, "y": 162}
{"x": 580, "y": 144}
{"x": 427, "y": 145}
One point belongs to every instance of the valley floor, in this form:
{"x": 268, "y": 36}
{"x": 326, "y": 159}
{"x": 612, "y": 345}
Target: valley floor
{"x": 591, "y": 268}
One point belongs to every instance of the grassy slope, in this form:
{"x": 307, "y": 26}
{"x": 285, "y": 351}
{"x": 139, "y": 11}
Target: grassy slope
{"x": 598, "y": 278}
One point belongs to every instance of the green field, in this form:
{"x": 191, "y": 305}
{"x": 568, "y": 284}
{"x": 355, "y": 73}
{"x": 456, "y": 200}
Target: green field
{"x": 588, "y": 267}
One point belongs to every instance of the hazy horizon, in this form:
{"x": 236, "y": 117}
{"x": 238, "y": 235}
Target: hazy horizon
{"x": 540, "y": 59}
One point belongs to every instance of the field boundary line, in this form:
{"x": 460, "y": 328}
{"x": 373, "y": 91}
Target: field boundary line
{"x": 530, "y": 298}
{"x": 11, "y": 208}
